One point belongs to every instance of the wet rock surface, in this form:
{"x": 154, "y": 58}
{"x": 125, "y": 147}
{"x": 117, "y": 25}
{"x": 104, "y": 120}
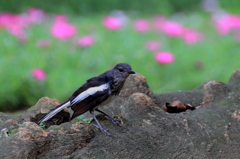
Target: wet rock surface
{"x": 211, "y": 131}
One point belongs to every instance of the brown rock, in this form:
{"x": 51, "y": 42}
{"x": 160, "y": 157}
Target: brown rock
{"x": 42, "y": 107}
{"x": 31, "y": 141}
{"x": 135, "y": 83}
{"x": 9, "y": 121}
{"x": 236, "y": 114}
{"x": 136, "y": 102}
{"x": 30, "y": 131}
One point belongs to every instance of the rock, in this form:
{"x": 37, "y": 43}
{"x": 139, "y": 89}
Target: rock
{"x": 44, "y": 106}
{"x": 235, "y": 77}
{"x": 211, "y": 131}
{"x": 194, "y": 97}
{"x": 214, "y": 90}
{"x": 135, "y": 83}
{"x": 9, "y": 121}
{"x": 31, "y": 141}
{"x": 208, "y": 132}
{"x": 135, "y": 103}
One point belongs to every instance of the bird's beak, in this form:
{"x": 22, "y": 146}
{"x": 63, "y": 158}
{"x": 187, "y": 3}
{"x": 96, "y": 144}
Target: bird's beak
{"x": 132, "y": 72}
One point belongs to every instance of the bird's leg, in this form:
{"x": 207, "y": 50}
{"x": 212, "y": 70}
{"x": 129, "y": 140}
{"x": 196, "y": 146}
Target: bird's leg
{"x": 114, "y": 120}
{"x": 98, "y": 124}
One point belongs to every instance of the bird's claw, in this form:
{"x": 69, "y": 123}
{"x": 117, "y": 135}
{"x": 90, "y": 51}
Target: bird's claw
{"x": 114, "y": 120}
{"x": 105, "y": 131}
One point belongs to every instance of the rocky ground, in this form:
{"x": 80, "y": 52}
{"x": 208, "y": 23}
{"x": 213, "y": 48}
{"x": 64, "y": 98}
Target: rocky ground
{"x": 211, "y": 130}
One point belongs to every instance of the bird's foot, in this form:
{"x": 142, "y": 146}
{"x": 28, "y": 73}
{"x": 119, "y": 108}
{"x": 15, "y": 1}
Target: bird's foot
{"x": 103, "y": 130}
{"x": 114, "y": 120}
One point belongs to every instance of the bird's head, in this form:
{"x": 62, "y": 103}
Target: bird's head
{"x": 122, "y": 71}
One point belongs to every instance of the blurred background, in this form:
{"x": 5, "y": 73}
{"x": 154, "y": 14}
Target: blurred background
{"x": 51, "y": 48}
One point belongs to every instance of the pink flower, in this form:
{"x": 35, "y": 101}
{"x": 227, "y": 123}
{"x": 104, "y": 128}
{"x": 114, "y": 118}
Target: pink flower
{"x": 7, "y": 19}
{"x": 86, "y": 41}
{"x": 141, "y": 25}
{"x": 39, "y": 74}
{"x": 226, "y": 23}
{"x": 17, "y": 30}
{"x": 62, "y": 30}
{"x": 35, "y": 15}
{"x": 191, "y": 36}
{"x": 61, "y": 18}
{"x": 164, "y": 57}
{"x": 152, "y": 45}
{"x": 172, "y": 28}
{"x": 14, "y": 24}
{"x": 112, "y": 23}
{"x": 158, "y": 22}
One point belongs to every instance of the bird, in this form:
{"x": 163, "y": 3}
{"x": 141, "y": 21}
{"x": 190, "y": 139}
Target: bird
{"x": 96, "y": 92}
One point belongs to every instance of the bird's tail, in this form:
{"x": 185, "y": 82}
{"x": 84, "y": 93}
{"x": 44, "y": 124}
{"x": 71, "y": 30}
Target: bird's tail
{"x": 55, "y": 111}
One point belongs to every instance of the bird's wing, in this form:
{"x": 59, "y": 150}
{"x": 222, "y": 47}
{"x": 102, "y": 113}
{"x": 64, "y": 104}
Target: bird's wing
{"x": 92, "y": 82}
{"x": 92, "y": 100}
{"x": 92, "y": 93}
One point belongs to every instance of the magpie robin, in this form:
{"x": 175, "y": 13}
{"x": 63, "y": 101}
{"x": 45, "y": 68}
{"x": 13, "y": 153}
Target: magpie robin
{"x": 97, "y": 91}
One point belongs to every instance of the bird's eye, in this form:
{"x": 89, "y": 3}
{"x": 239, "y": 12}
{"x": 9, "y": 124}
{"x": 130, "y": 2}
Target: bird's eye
{"x": 120, "y": 69}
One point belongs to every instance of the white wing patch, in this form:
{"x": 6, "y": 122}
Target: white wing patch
{"x": 89, "y": 92}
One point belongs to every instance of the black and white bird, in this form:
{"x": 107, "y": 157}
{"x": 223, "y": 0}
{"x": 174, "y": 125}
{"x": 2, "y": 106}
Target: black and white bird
{"x": 97, "y": 91}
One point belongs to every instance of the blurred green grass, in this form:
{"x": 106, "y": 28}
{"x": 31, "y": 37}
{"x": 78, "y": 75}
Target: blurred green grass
{"x": 68, "y": 66}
